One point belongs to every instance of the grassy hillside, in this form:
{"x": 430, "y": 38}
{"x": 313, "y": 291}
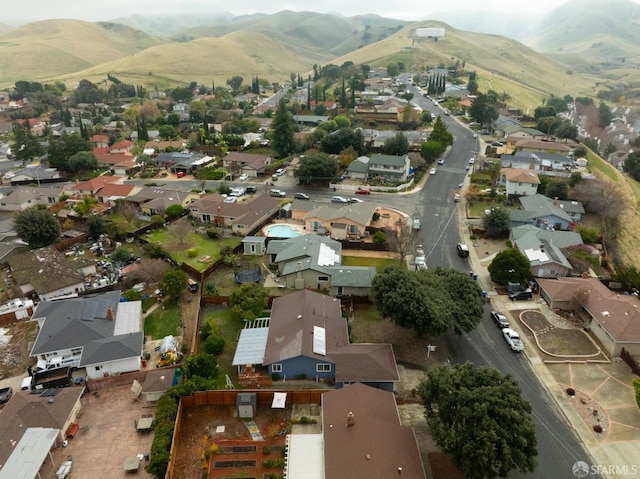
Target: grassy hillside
{"x": 41, "y": 50}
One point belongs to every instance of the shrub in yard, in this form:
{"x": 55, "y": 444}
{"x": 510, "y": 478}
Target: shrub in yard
{"x": 154, "y": 250}
{"x": 275, "y": 377}
{"x": 213, "y": 234}
{"x": 214, "y": 345}
{"x": 597, "y": 428}
{"x": 192, "y": 252}
{"x": 636, "y": 387}
{"x": 379, "y": 237}
{"x": 304, "y": 420}
{"x": 376, "y": 216}
{"x": 571, "y": 391}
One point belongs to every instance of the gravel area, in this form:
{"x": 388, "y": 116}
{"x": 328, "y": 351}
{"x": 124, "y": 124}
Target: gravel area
{"x": 591, "y": 412}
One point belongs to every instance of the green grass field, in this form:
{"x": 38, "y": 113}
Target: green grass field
{"x": 378, "y": 263}
{"x": 162, "y": 322}
{"x": 230, "y": 332}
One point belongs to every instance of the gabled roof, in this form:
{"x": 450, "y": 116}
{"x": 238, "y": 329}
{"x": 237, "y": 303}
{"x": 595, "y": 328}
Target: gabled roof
{"x": 375, "y": 445}
{"x": 76, "y": 322}
{"x": 539, "y": 205}
{"x": 533, "y": 143}
{"x": 387, "y": 160}
{"x": 243, "y": 212}
{"x": 520, "y": 175}
{"x": 23, "y": 194}
{"x": 357, "y": 213}
{"x": 618, "y": 314}
{"x": 351, "y": 276}
{"x": 310, "y": 250}
{"x": 291, "y": 327}
{"x": 246, "y": 160}
{"x": 26, "y": 410}
{"x": 531, "y": 236}
{"x": 359, "y": 165}
{"x": 96, "y": 183}
{"x": 46, "y": 269}
{"x": 114, "y": 190}
{"x": 112, "y": 348}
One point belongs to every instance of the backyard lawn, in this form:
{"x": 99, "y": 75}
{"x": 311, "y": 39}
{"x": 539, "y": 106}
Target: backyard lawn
{"x": 195, "y": 249}
{"x": 162, "y": 322}
{"x": 230, "y": 332}
{"x": 378, "y": 263}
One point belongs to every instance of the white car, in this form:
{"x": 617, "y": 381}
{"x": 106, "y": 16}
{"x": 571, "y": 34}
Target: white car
{"x": 441, "y": 161}
{"x": 433, "y": 171}
{"x": 243, "y": 177}
{"x": 355, "y": 200}
{"x": 231, "y": 199}
{"x": 280, "y": 171}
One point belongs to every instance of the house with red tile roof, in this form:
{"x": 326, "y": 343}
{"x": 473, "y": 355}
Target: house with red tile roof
{"x": 92, "y": 186}
{"x": 123, "y": 146}
{"x": 100, "y": 141}
{"x": 113, "y": 191}
{"x": 612, "y": 317}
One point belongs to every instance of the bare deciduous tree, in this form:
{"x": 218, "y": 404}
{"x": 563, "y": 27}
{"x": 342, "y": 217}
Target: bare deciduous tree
{"x": 149, "y": 271}
{"x": 181, "y": 228}
{"x": 402, "y": 238}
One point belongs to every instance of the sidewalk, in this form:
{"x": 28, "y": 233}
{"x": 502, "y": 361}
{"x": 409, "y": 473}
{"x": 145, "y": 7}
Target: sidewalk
{"x": 603, "y": 386}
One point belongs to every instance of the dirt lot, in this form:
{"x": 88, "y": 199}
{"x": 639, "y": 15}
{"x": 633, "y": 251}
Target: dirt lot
{"x": 199, "y": 434}
{"x": 15, "y": 359}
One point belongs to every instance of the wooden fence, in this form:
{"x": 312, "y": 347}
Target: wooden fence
{"x": 631, "y": 361}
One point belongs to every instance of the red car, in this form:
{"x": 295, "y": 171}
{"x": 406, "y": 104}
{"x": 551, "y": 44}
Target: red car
{"x": 362, "y": 191}
{"x": 180, "y": 174}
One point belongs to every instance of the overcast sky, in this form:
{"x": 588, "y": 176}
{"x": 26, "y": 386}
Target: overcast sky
{"x": 94, "y": 10}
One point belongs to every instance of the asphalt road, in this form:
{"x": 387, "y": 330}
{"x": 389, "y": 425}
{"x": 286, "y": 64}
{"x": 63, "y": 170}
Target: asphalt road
{"x": 558, "y": 447}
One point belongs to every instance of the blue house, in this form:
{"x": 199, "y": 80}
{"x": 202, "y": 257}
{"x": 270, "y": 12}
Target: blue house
{"x": 306, "y": 337}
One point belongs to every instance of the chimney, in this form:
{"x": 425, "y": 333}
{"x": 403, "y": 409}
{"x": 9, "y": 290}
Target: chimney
{"x": 110, "y": 313}
{"x": 555, "y": 201}
{"x": 542, "y": 248}
{"x": 351, "y": 419}
{"x": 400, "y": 470}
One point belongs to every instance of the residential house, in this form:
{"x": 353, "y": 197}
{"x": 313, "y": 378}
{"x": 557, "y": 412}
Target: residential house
{"x": 504, "y": 123}
{"x": 99, "y": 141}
{"x": 246, "y": 163}
{"x": 543, "y": 248}
{"x": 243, "y": 217}
{"x": 157, "y": 146}
{"x": 383, "y": 109}
{"x": 145, "y": 198}
{"x": 514, "y": 134}
{"x": 612, "y": 317}
{"x": 535, "y": 145}
{"x": 185, "y": 162}
{"x": 542, "y": 212}
{"x": 122, "y": 146}
{"x": 519, "y": 182}
{"x": 340, "y": 221}
{"x": 390, "y": 168}
{"x": 302, "y": 336}
{"x": 36, "y": 175}
{"x": 26, "y": 411}
{"x": 541, "y": 162}
{"x": 313, "y": 261}
{"x": 310, "y": 120}
{"x": 152, "y": 135}
{"x": 120, "y": 164}
{"x": 47, "y": 273}
{"x": 113, "y": 192}
{"x": 358, "y": 169}
{"x": 90, "y": 187}
{"x": 363, "y": 436}
{"x": 104, "y": 333}
{"x": 22, "y": 197}
{"x": 183, "y": 110}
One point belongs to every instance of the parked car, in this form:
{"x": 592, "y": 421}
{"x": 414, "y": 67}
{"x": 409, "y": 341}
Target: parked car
{"x": 420, "y": 251}
{"x": 433, "y": 171}
{"x": 231, "y": 199}
{"x": 280, "y": 171}
{"x": 5, "y": 394}
{"x": 251, "y": 189}
{"x": 497, "y": 144}
{"x": 355, "y": 200}
{"x": 472, "y": 161}
{"x": 363, "y": 191}
{"x": 339, "y": 199}
{"x": 456, "y": 197}
{"x": 441, "y": 161}
{"x": 180, "y": 174}
{"x": 243, "y": 177}
{"x": 416, "y": 224}
{"x": 500, "y": 319}
{"x": 523, "y": 294}
{"x": 421, "y": 264}
{"x": 277, "y": 193}
{"x": 301, "y": 196}
{"x": 463, "y": 250}
{"x": 513, "y": 340}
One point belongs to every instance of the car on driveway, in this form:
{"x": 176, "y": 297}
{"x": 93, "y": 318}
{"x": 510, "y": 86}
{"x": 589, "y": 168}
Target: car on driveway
{"x": 243, "y": 177}
{"x": 433, "y": 171}
{"x": 301, "y": 196}
{"x": 497, "y": 144}
{"x": 5, "y": 394}
{"x": 500, "y": 319}
{"x": 524, "y": 294}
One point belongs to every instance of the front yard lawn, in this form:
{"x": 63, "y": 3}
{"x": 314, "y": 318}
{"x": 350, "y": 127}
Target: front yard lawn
{"x": 162, "y": 322}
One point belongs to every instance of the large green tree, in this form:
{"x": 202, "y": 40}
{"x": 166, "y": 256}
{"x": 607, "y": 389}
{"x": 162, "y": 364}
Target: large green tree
{"x": 248, "y": 301}
{"x": 509, "y": 265}
{"x": 283, "y": 131}
{"x": 63, "y": 148}
{"x": 496, "y": 222}
{"x": 317, "y": 168}
{"x": 37, "y": 226}
{"x": 429, "y": 301}
{"x": 25, "y": 146}
{"x": 397, "y": 145}
{"x": 631, "y": 165}
{"x": 478, "y": 417}
{"x": 440, "y": 133}
{"x": 484, "y": 110}
{"x": 173, "y": 283}
{"x": 342, "y": 139}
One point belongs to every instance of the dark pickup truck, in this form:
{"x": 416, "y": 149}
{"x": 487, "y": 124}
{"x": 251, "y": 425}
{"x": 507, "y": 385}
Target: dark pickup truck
{"x": 53, "y": 378}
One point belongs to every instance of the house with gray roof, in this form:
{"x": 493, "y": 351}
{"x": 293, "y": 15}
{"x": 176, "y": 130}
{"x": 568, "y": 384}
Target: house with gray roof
{"x": 389, "y": 167}
{"x": 358, "y": 169}
{"x": 105, "y": 334}
{"x": 544, "y": 248}
{"x": 541, "y": 162}
{"x": 36, "y": 175}
{"x": 306, "y": 335}
{"x": 186, "y": 162}
{"x": 242, "y": 217}
{"x": 543, "y": 212}
{"x": 19, "y": 198}
{"x": 313, "y": 261}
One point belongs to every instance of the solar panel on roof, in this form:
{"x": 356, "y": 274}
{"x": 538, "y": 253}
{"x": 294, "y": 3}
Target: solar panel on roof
{"x": 101, "y": 308}
{"x": 319, "y": 341}
{"x": 89, "y": 311}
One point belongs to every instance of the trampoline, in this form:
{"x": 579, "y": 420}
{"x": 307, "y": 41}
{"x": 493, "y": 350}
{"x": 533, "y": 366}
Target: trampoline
{"x": 247, "y": 273}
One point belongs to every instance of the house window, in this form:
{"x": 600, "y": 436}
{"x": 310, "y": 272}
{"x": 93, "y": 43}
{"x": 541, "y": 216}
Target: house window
{"x": 206, "y": 218}
{"x": 98, "y": 368}
{"x": 323, "y": 278}
{"x": 276, "y": 368}
{"x": 76, "y": 351}
{"x": 315, "y": 225}
{"x": 323, "y": 368}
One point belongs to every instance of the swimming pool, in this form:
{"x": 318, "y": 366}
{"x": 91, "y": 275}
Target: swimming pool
{"x": 283, "y": 231}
